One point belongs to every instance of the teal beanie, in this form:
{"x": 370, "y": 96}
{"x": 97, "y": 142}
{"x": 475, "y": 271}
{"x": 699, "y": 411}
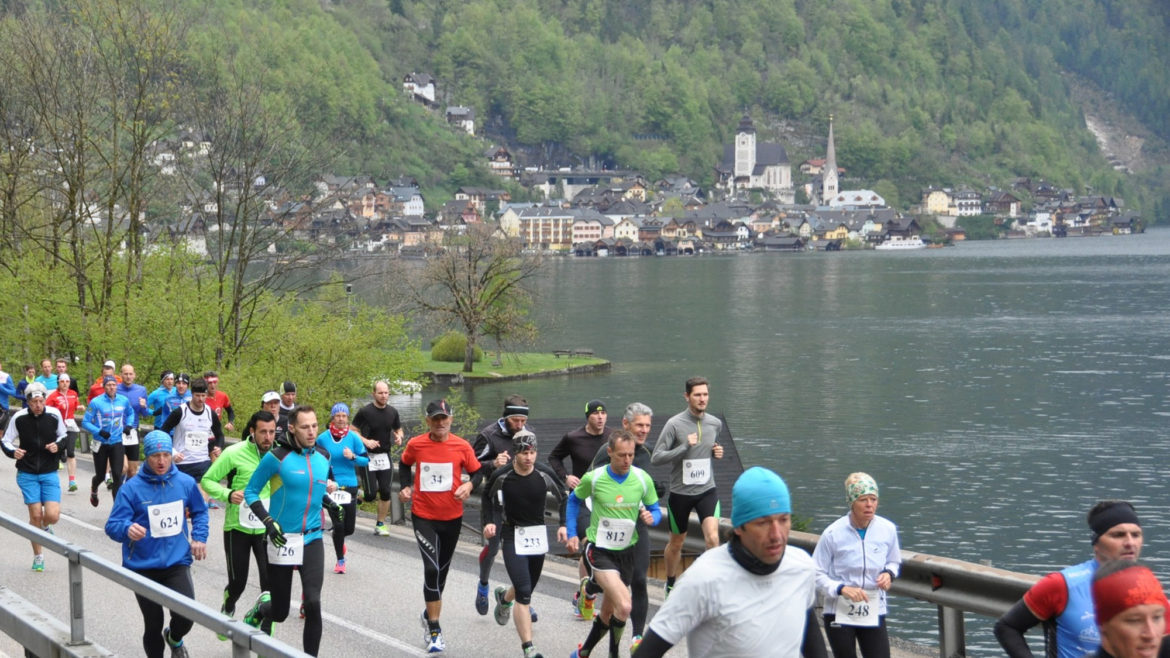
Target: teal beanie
{"x": 758, "y": 492}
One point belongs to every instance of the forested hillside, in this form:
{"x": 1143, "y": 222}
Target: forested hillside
{"x": 940, "y": 92}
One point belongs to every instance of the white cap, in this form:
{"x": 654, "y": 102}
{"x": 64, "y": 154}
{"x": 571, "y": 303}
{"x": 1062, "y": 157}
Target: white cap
{"x": 110, "y": 364}
{"x": 35, "y": 390}
{"x": 269, "y": 397}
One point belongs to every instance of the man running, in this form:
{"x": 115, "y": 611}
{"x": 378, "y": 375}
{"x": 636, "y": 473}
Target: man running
{"x": 99, "y": 385}
{"x": 198, "y": 435}
{"x": 156, "y": 402}
{"x": 270, "y": 402}
{"x": 7, "y": 390}
{"x": 513, "y": 502}
{"x": 243, "y": 532}
{"x": 1065, "y": 597}
{"x": 109, "y": 417}
{"x": 580, "y": 446}
{"x": 637, "y": 420}
{"x": 136, "y": 394}
{"x": 149, "y": 519}
{"x": 33, "y": 438}
{"x": 380, "y": 429}
{"x": 293, "y": 524}
{"x": 65, "y": 401}
{"x": 755, "y": 596}
{"x": 492, "y": 448}
{"x": 437, "y": 492}
{"x": 621, "y": 494}
{"x": 219, "y": 401}
{"x": 687, "y": 443}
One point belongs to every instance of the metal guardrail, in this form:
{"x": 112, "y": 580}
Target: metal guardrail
{"x": 244, "y": 639}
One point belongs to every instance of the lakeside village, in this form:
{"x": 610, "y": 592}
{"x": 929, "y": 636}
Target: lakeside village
{"x": 621, "y": 213}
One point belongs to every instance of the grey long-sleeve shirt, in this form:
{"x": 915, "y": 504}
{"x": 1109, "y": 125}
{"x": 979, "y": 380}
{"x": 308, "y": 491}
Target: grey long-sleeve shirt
{"x": 688, "y": 462}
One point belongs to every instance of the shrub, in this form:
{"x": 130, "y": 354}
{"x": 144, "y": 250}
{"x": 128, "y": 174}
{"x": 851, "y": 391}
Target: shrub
{"x": 451, "y": 347}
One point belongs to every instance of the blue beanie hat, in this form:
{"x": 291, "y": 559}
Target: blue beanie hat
{"x": 758, "y": 492}
{"x": 339, "y": 408}
{"x": 156, "y": 441}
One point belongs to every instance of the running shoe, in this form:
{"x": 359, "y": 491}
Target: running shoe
{"x": 213, "y": 505}
{"x": 531, "y": 652}
{"x": 481, "y": 598}
{"x": 38, "y": 563}
{"x": 666, "y": 590}
{"x": 577, "y": 604}
{"x": 177, "y": 650}
{"x": 73, "y": 486}
{"x": 432, "y": 639}
{"x": 252, "y": 616}
{"x": 49, "y": 529}
{"x": 109, "y": 483}
{"x": 634, "y": 642}
{"x": 585, "y": 603}
{"x": 532, "y": 613}
{"x": 503, "y": 608}
{"x": 381, "y": 530}
{"x": 340, "y": 566}
{"x": 93, "y": 499}
{"x": 224, "y": 610}
{"x": 576, "y": 652}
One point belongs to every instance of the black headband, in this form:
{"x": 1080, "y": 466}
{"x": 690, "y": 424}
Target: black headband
{"x": 1115, "y": 514}
{"x": 515, "y": 410}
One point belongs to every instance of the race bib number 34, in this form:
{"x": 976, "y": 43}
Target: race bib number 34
{"x": 436, "y": 477}
{"x": 166, "y": 519}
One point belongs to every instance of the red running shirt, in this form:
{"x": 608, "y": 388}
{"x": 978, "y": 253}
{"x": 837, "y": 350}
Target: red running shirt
{"x": 438, "y": 469}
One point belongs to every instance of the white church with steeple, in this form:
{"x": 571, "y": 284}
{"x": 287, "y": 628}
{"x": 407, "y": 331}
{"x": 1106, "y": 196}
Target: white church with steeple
{"x": 748, "y": 164}
{"x": 829, "y": 183}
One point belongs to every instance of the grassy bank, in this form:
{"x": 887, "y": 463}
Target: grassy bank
{"x": 512, "y": 364}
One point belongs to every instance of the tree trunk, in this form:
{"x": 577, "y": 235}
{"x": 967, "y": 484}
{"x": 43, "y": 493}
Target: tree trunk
{"x": 469, "y": 354}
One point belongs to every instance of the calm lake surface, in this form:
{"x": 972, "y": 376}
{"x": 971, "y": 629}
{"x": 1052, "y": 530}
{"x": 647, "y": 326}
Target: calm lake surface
{"x": 994, "y": 389}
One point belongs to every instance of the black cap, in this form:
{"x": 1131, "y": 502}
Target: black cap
{"x": 288, "y": 387}
{"x": 594, "y": 406}
{"x": 183, "y": 377}
{"x": 523, "y": 439}
{"x": 438, "y": 408}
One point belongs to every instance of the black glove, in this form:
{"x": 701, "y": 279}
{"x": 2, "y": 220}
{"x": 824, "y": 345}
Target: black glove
{"x": 335, "y": 510}
{"x": 126, "y": 431}
{"x": 275, "y": 534}
{"x": 105, "y": 434}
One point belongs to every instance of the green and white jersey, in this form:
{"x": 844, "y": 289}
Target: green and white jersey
{"x": 616, "y": 505}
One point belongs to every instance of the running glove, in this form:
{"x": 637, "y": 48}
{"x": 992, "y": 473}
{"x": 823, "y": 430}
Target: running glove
{"x": 105, "y": 434}
{"x": 126, "y": 431}
{"x": 275, "y": 534}
{"x": 337, "y": 510}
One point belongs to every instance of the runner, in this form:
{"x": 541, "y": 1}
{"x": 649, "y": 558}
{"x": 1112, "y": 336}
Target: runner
{"x": 179, "y": 396}
{"x": 219, "y": 401}
{"x": 637, "y": 420}
{"x": 243, "y": 532}
{"x": 754, "y": 596}
{"x": 33, "y": 438}
{"x": 48, "y": 376}
{"x": 380, "y": 428}
{"x": 108, "y": 418}
{"x": 492, "y": 446}
{"x": 1065, "y": 597}
{"x": 293, "y": 524}
{"x": 30, "y": 376}
{"x": 346, "y": 452}
{"x": 156, "y": 402}
{"x": 621, "y": 493}
{"x": 150, "y": 520}
{"x": 7, "y": 390}
{"x": 99, "y": 384}
{"x": 65, "y": 401}
{"x": 858, "y": 557}
{"x": 581, "y": 445}
{"x": 270, "y": 402}
{"x": 198, "y": 435}
{"x": 687, "y": 443}
{"x": 437, "y": 492}
{"x": 1131, "y": 610}
{"x": 136, "y": 394}
{"x": 513, "y": 501}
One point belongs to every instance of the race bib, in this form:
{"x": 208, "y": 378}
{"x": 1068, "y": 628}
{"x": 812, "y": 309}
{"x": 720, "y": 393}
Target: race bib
{"x": 131, "y": 439}
{"x": 696, "y": 471}
{"x": 379, "y": 462}
{"x": 196, "y": 442}
{"x": 248, "y": 518}
{"x": 858, "y": 613}
{"x": 292, "y": 554}
{"x": 341, "y": 497}
{"x": 531, "y": 540}
{"x": 615, "y": 534}
{"x": 166, "y": 519}
{"x": 436, "y": 477}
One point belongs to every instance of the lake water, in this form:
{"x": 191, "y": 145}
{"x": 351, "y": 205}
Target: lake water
{"x": 994, "y": 389}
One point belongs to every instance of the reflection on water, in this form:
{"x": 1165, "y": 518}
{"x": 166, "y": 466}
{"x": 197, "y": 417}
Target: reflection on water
{"x": 995, "y": 390}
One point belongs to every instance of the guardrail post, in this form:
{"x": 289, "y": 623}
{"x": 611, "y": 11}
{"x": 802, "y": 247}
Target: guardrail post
{"x": 952, "y": 641}
{"x": 76, "y": 601}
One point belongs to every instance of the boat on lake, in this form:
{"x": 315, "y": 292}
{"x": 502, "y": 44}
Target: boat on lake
{"x": 899, "y": 242}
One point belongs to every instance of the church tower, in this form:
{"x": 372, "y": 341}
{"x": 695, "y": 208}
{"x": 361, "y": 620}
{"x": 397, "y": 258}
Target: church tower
{"x": 829, "y": 185}
{"x": 745, "y": 150}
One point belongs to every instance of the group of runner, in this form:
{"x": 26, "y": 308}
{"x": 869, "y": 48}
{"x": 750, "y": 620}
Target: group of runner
{"x": 753, "y": 595}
